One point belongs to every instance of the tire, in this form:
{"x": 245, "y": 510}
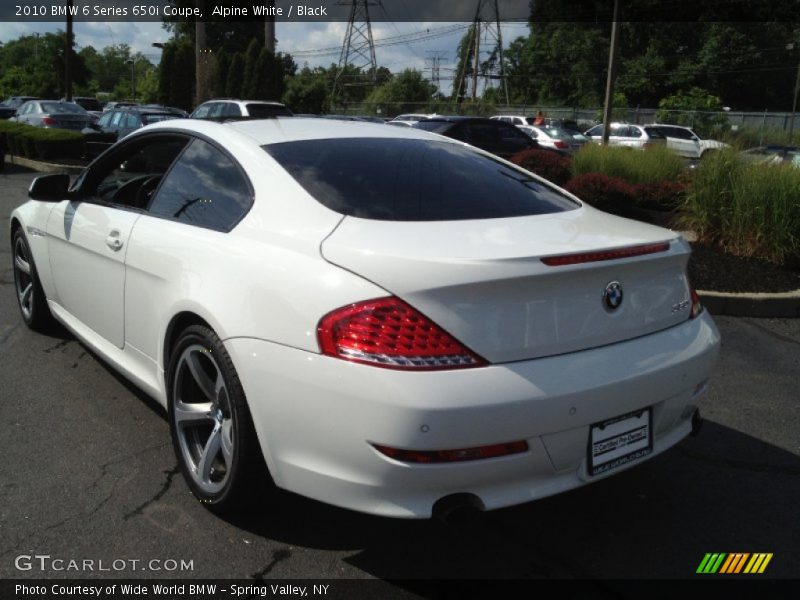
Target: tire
{"x": 212, "y": 432}
{"x": 30, "y": 295}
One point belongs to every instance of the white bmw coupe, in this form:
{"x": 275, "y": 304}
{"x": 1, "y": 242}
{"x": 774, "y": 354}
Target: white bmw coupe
{"x": 379, "y": 318}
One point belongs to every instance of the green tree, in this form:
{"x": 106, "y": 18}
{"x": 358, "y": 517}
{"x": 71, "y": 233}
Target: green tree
{"x": 307, "y": 92}
{"x": 221, "y": 76}
{"x": 403, "y": 93}
{"x": 251, "y": 76}
{"x": 697, "y": 109}
{"x": 166, "y": 69}
{"x": 233, "y": 83}
{"x": 182, "y": 88}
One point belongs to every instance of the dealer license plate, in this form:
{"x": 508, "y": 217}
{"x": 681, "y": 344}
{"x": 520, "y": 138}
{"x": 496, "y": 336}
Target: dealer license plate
{"x": 620, "y": 440}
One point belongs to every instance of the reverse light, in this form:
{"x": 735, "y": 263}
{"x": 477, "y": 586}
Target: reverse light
{"x": 389, "y": 333}
{"x": 458, "y": 455}
{"x": 697, "y": 308}
{"x": 584, "y": 257}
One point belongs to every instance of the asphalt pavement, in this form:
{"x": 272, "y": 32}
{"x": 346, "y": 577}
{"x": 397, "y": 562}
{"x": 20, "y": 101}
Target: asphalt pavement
{"x": 87, "y": 472}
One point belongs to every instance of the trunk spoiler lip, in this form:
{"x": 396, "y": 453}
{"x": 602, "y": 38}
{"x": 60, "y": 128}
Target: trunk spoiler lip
{"x": 561, "y": 260}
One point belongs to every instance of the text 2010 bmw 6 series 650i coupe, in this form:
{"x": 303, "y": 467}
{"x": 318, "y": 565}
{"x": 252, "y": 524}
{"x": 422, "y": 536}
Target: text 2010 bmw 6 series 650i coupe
{"x": 375, "y": 317}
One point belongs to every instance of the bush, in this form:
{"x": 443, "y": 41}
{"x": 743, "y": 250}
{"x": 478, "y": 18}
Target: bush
{"x": 603, "y": 192}
{"x": 39, "y": 143}
{"x": 551, "y": 166}
{"x": 662, "y": 195}
{"x": 747, "y": 209}
{"x": 652, "y": 165}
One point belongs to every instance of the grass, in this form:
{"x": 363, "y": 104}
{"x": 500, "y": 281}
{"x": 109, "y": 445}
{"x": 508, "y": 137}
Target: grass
{"x": 747, "y": 209}
{"x": 634, "y": 166}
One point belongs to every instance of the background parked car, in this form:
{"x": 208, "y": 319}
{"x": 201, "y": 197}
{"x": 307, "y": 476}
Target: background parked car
{"x": 494, "y": 136}
{"x": 116, "y": 124}
{"x": 627, "y": 134}
{"x": 54, "y": 114}
{"x": 178, "y": 112}
{"x": 773, "y": 155}
{"x": 112, "y": 105}
{"x": 9, "y": 106}
{"x": 410, "y": 118}
{"x": 237, "y": 110}
{"x": 517, "y": 120}
{"x": 555, "y": 139}
{"x": 686, "y": 142}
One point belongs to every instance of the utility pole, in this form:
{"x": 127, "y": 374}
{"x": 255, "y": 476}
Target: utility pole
{"x": 486, "y": 22}
{"x": 199, "y": 58}
{"x": 269, "y": 27}
{"x": 68, "y": 55}
{"x": 794, "y": 102}
{"x": 612, "y": 72}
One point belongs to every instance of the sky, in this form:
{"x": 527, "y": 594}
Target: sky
{"x": 291, "y": 37}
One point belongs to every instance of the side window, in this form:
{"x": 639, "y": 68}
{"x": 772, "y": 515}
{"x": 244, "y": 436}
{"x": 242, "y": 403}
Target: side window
{"x": 129, "y": 177}
{"x": 634, "y": 132}
{"x": 104, "y": 120}
{"x": 115, "y": 118}
{"x": 617, "y": 130}
{"x": 215, "y": 110}
{"x": 596, "y": 130}
{"x": 231, "y": 110}
{"x": 204, "y": 188}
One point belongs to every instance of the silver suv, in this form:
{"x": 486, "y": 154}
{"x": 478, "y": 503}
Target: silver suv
{"x": 627, "y": 134}
{"x": 225, "y": 109}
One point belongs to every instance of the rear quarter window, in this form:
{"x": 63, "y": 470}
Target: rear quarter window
{"x": 413, "y": 180}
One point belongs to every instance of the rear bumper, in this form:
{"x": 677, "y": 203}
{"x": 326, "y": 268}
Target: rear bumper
{"x": 316, "y": 416}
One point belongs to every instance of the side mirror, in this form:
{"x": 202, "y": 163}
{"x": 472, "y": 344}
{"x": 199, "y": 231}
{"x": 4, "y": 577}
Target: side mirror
{"x": 695, "y": 138}
{"x": 49, "y": 188}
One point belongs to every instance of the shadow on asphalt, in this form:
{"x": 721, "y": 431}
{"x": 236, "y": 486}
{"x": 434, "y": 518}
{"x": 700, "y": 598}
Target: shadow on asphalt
{"x": 720, "y": 492}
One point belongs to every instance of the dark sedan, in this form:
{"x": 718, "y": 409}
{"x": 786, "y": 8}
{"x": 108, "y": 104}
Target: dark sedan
{"x": 8, "y": 108}
{"x": 117, "y": 123}
{"x": 497, "y": 137}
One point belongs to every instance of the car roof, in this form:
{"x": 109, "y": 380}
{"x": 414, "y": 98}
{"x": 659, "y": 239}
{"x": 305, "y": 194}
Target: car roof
{"x": 458, "y": 119}
{"x": 275, "y": 131}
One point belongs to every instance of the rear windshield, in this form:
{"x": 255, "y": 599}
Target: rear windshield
{"x": 413, "y": 180}
{"x": 62, "y": 107}
{"x": 267, "y": 111}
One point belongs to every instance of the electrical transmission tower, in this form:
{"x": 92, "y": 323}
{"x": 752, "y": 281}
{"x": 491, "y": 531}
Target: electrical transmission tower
{"x": 358, "y": 48}
{"x": 435, "y": 61}
{"x": 487, "y": 25}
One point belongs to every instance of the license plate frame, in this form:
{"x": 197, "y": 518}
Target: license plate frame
{"x": 609, "y": 439}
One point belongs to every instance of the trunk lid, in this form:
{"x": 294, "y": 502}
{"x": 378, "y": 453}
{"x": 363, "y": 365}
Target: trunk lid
{"x": 484, "y": 282}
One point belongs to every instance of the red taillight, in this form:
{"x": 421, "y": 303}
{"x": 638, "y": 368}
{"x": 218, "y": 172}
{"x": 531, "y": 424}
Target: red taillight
{"x": 560, "y": 144}
{"x": 584, "y": 257}
{"x": 697, "y": 308}
{"x": 459, "y": 455}
{"x": 389, "y": 333}
{"x": 49, "y": 121}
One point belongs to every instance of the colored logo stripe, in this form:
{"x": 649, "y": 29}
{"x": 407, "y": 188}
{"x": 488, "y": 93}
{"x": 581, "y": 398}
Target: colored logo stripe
{"x": 758, "y": 563}
{"x": 733, "y": 563}
{"x": 711, "y": 563}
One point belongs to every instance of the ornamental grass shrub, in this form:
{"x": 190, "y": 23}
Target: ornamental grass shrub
{"x": 747, "y": 209}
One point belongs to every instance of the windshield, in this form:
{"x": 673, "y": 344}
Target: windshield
{"x": 398, "y": 179}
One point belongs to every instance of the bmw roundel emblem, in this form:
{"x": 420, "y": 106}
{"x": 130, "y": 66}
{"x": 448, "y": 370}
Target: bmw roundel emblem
{"x": 612, "y": 297}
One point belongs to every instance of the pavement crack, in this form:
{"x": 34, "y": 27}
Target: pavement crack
{"x": 277, "y": 557}
{"x": 170, "y": 473}
{"x": 740, "y": 464}
{"x": 59, "y": 346}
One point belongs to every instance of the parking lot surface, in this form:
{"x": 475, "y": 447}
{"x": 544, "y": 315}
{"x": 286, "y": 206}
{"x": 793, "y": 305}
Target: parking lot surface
{"x": 88, "y": 472}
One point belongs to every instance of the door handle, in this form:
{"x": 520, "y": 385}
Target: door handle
{"x": 113, "y": 240}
